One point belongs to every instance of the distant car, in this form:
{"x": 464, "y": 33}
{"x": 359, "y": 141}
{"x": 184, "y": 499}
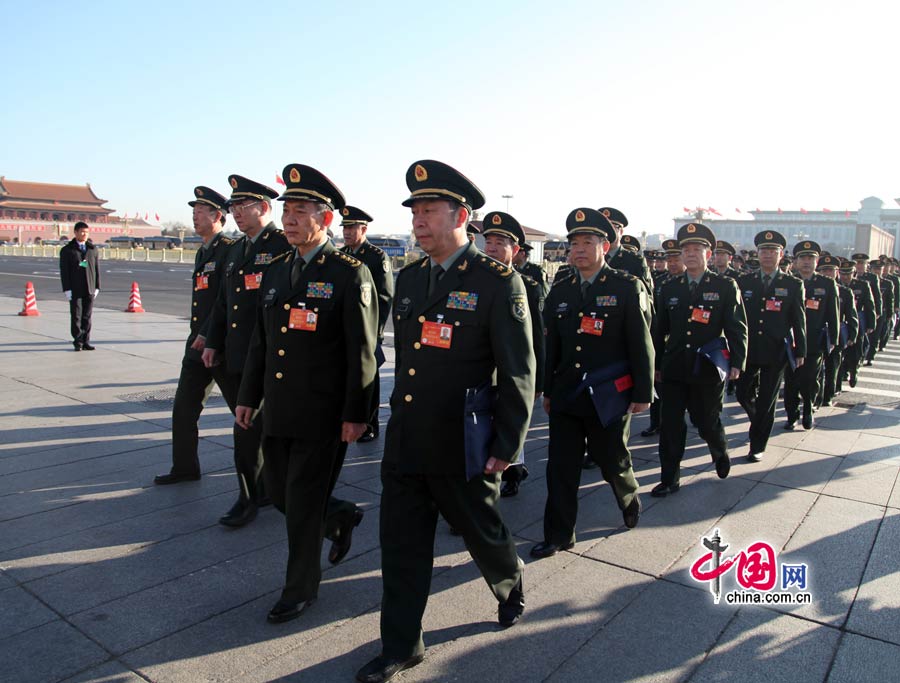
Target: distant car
{"x": 124, "y": 242}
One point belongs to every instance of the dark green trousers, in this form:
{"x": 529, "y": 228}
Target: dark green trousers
{"x": 410, "y": 505}
{"x": 703, "y": 402}
{"x": 757, "y": 392}
{"x": 607, "y": 446}
{"x": 300, "y": 476}
{"x": 801, "y": 386}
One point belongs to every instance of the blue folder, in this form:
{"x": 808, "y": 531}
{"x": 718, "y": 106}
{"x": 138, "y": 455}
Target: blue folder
{"x": 825, "y": 341}
{"x": 716, "y": 352}
{"x": 479, "y": 427}
{"x": 610, "y": 389}
{"x": 845, "y": 335}
{"x": 789, "y": 347}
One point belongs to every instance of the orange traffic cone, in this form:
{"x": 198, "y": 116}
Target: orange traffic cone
{"x": 134, "y": 303}
{"x": 30, "y": 305}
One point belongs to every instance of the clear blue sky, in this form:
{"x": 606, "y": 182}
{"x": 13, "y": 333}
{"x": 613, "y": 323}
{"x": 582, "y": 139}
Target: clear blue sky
{"x": 646, "y": 106}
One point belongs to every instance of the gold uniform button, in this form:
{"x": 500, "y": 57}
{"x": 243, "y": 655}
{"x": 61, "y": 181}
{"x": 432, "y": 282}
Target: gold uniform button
{"x": 278, "y": 375}
{"x": 580, "y": 314}
{"x": 280, "y": 352}
{"x": 456, "y": 323}
{"x": 577, "y": 365}
{"x": 760, "y": 332}
{"x": 421, "y": 318}
{"x": 235, "y": 307}
{"x": 760, "y": 321}
{"x": 234, "y": 324}
{"x": 240, "y": 272}
{"x": 398, "y": 317}
{"x": 237, "y": 289}
{"x": 194, "y": 318}
{"x": 687, "y": 346}
{"x": 689, "y": 333}
{"x": 195, "y": 303}
{"x": 417, "y": 345}
{"x": 283, "y": 330}
{"x": 287, "y": 307}
{"x": 578, "y": 348}
{"x": 408, "y": 398}
{"x": 579, "y": 331}
{"x": 412, "y": 371}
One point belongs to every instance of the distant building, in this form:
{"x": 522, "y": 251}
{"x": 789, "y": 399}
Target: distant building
{"x": 872, "y": 229}
{"x": 43, "y": 211}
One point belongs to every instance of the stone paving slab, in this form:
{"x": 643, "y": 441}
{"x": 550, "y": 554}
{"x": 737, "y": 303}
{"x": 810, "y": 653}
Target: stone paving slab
{"x": 876, "y": 612}
{"x": 21, "y": 612}
{"x": 864, "y": 659}
{"x": 865, "y": 482}
{"x": 111, "y": 672}
{"x": 50, "y": 652}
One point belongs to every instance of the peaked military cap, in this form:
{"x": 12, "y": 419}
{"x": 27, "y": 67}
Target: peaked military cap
{"x": 847, "y": 266}
{"x": 631, "y": 243}
{"x": 671, "y": 247}
{"x": 205, "y": 195}
{"x": 306, "y": 184}
{"x": 429, "y": 179}
{"x": 807, "y": 248}
{"x": 727, "y": 247}
{"x": 876, "y": 264}
{"x": 828, "y": 262}
{"x": 351, "y": 215}
{"x": 526, "y": 247}
{"x": 753, "y": 263}
{"x": 615, "y": 216}
{"x": 499, "y": 223}
{"x": 770, "y": 238}
{"x": 586, "y": 221}
{"x": 696, "y": 233}
{"x": 860, "y": 257}
{"x": 244, "y": 188}
{"x": 473, "y": 229}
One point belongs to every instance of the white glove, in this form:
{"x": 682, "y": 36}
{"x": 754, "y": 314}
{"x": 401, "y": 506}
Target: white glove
{"x": 68, "y": 294}
{"x": 96, "y": 293}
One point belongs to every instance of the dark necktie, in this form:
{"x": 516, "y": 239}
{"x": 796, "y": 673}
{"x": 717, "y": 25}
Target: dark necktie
{"x": 296, "y": 269}
{"x": 247, "y": 245}
{"x": 585, "y": 286}
{"x": 767, "y": 280}
{"x": 692, "y": 286}
{"x": 436, "y": 273}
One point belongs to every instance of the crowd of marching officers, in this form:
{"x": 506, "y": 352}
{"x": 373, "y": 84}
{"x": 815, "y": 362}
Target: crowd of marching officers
{"x": 291, "y": 330}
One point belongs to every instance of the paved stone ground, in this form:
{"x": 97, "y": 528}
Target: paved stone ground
{"x": 104, "y": 577}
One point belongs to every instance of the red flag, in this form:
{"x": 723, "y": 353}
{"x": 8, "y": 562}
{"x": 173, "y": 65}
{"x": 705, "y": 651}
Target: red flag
{"x": 738, "y": 210}
{"x": 847, "y": 214}
{"x": 802, "y": 210}
{"x": 157, "y": 216}
{"x": 279, "y": 180}
{"x": 685, "y": 209}
{"x": 757, "y": 209}
{"x": 713, "y": 211}
{"x": 826, "y": 210}
{"x": 779, "y": 209}
{"x": 146, "y": 216}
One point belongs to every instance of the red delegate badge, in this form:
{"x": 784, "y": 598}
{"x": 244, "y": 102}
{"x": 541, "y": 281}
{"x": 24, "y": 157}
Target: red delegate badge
{"x": 437, "y": 334}
{"x": 812, "y": 304}
{"x": 202, "y": 282}
{"x": 773, "y": 305}
{"x": 252, "y": 280}
{"x": 301, "y": 319}
{"x": 592, "y": 326}
{"x": 698, "y": 315}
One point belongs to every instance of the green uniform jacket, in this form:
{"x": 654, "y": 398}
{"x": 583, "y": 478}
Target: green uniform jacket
{"x": 313, "y": 379}
{"x": 536, "y": 273}
{"x": 875, "y": 284}
{"x": 730, "y": 271}
{"x": 535, "y": 294}
{"x": 681, "y": 330}
{"x": 887, "y": 298}
{"x": 209, "y": 267}
{"x": 379, "y": 265}
{"x": 849, "y": 316}
{"x": 823, "y": 311}
{"x": 865, "y": 304}
{"x": 772, "y": 316}
{"x": 632, "y": 263}
{"x": 564, "y": 272}
{"x": 617, "y": 298}
{"x": 485, "y": 302}
{"x": 233, "y": 317}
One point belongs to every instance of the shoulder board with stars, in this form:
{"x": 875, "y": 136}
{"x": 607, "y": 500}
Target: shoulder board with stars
{"x": 346, "y": 259}
{"x": 622, "y": 274}
{"x": 227, "y": 241}
{"x": 281, "y": 257}
{"x": 528, "y": 280}
{"x": 420, "y": 263}
{"x": 495, "y": 267}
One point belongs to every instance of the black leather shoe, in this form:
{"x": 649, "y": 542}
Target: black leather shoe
{"x": 172, "y": 478}
{"x": 341, "y": 547}
{"x": 384, "y": 668}
{"x": 653, "y": 431}
{"x": 588, "y": 463}
{"x": 545, "y": 549}
{"x": 663, "y": 490}
{"x": 852, "y": 380}
{"x": 790, "y": 425}
{"x": 368, "y": 437}
{"x": 868, "y": 364}
{"x": 807, "y": 420}
{"x": 827, "y": 403}
{"x": 77, "y": 347}
{"x": 88, "y": 347}
{"x": 510, "y": 611}
{"x": 756, "y": 457}
{"x": 723, "y": 466}
{"x": 285, "y": 611}
{"x": 510, "y": 489}
{"x": 241, "y": 513}
{"x": 632, "y": 514}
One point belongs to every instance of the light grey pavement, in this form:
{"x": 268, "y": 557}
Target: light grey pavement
{"x": 104, "y": 577}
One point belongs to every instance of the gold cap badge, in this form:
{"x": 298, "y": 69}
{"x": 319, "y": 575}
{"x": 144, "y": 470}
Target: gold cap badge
{"x": 198, "y": 192}
{"x": 421, "y": 173}
{"x": 806, "y": 245}
{"x": 345, "y": 212}
{"x": 692, "y": 228}
{"x": 295, "y": 175}
{"x": 496, "y": 220}
{"x": 769, "y": 235}
{"x": 579, "y": 216}
{"x": 605, "y": 212}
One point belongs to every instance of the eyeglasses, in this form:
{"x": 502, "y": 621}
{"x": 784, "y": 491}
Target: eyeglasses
{"x": 237, "y": 208}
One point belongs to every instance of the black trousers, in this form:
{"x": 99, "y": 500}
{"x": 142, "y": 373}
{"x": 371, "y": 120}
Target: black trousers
{"x": 703, "y": 402}
{"x": 80, "y": 309}
{"x": 194, "y": 386}
{"x": 300, "y": 476}
{"x": 248, "y": 454}
{"x": 607, "y": 446}
{"x": 655, "y": 413}
{"x": 874, "y": 338}
{"x": 801, "y": 386}
{"x": 886, "y": 332}
{"x": 832, "y": 374}
{"x": 757, "y": 392}
{"x": 410, "y": 505}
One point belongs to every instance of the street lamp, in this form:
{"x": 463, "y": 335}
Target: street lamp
{"x": 507, "y": 197}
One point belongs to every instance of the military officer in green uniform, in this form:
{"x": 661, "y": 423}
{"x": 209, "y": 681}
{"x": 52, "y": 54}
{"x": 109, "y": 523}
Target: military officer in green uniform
{"x": 503, "y": 239}
{"x": 462, "y": 331}
{"x": 625, "y": 259}
{"x": 231, "y": 323}
{"x": 849, "y": 330}
{"x": 355, "y": 225}
{"x": 312, "y": 357}
{"x": 526, "y": 267}
{"x": 599, "y": 371}
{"x": 862, "y": 262}
{"x": 868, "y": 320}
{"x": 822, "y": 305}
{"x": 887, "y": 303}
{"x": 774, "y": 304}
{"x": 723, "y": 256}
{"x": 196, "y": 380}
{"x": 701, "y": 340}
{"x": 633, "y": 244}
